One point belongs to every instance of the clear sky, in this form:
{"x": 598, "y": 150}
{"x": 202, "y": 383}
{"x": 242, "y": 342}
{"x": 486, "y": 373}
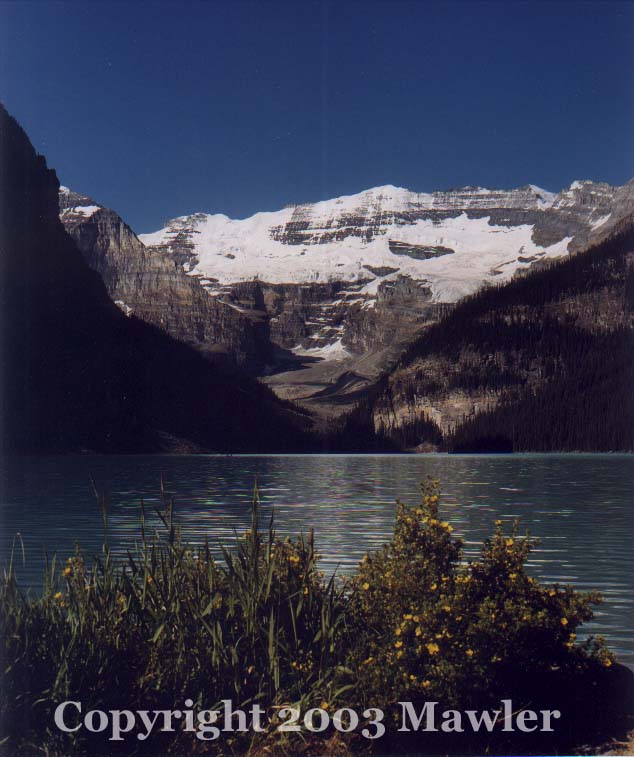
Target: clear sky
{"x": 160, "y": 109}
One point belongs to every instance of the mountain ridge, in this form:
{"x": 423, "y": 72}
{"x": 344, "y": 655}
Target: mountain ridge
{"x": 78, "y": 375}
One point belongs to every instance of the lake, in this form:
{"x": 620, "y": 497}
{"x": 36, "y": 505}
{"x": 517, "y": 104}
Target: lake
{"x": 580, "y": 507}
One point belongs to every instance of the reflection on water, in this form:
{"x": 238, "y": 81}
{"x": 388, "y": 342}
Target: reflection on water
{"x": 580, "y": 506}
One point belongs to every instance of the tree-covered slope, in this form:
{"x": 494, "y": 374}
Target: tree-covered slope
{"x": 545, "y": 362}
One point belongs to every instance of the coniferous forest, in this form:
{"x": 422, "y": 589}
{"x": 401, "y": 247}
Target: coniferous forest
{"x": 545, "y": 363}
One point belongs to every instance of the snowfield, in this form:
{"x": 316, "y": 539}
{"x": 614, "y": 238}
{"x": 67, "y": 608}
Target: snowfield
{"x": 231, "y": 250}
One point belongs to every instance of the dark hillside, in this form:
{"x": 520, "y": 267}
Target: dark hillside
{"x": 77, "y": 374}
{"x": 544, "y": 363}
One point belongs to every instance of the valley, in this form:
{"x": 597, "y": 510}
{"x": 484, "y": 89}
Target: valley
{"x": 320, "y": 301}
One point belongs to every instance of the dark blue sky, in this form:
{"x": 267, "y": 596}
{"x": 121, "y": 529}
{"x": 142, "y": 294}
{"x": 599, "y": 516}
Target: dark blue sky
{"x": 161, "y": 109}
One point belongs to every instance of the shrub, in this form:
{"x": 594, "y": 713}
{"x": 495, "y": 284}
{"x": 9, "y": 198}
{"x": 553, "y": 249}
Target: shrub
{"x": 426, "y": 624}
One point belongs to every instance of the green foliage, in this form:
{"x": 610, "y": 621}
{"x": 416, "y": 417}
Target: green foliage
{"x": 414, "y": 621}
{"x": 427, "y": 624}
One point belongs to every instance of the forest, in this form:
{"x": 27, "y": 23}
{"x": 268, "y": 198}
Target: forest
{"x": 549, "y": 355}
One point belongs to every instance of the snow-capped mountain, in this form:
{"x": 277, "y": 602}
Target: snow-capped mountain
{"x": 343, "y": 285}
{"x": 455, "y": 241}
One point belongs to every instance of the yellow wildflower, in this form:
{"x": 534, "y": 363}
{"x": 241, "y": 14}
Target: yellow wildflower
{"x": 433, "y": 648}
{"x": 398, "y": 632}
{"x": 607, "y": 662}
{"x": 398, "y": 644}
{"x": 498, "y": 522}
{"x": 365, "y": 586}
{"x": 419, "y": 631}
{"x": 510, "y": 542}
{"x": 58, "y": 596}
{"x": 433, "y": 587}
{"x": 469, "y": 652}
{"x": 68, "y": 572}
{"x": 512, "y": 576}
{"x": 324, "y": 705}
{"x": 426, "y": 684}
{"x": 446, "y": 608}
{"x": 564, "y": 621}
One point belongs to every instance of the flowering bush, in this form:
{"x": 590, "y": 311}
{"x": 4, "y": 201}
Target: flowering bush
{"x": 427, "y": 624}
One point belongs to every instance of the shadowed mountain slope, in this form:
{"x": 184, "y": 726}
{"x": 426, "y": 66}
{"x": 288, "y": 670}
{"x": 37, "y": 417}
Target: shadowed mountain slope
{"x": 78, "y": 374}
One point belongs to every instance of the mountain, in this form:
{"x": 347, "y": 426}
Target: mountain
{"x": 454, "y": 241}
{"x": 77, "y": 374}
{"x": 542, "y": 363}
{"x": 347, "y": 284}
{"x": 155, "y": 289}
{"x": 399, "y": 319}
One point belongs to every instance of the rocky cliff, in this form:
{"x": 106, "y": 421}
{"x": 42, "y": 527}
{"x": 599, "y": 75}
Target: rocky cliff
{"x": 155, "y": 289}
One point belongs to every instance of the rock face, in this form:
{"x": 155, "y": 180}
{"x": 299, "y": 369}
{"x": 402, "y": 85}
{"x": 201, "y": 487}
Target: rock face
{"x": 155, "y": 288}
{"x": 76, "y": 373}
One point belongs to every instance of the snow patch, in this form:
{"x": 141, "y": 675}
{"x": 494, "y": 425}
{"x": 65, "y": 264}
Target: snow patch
{"x": 122, "y": 306}
{"x": 231, "y": 250}
{"x": 83, "y": 210}
{"x": 546, "y": 198}
{"x": 333, "y": 351}
{"x": 478, "y": 248}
